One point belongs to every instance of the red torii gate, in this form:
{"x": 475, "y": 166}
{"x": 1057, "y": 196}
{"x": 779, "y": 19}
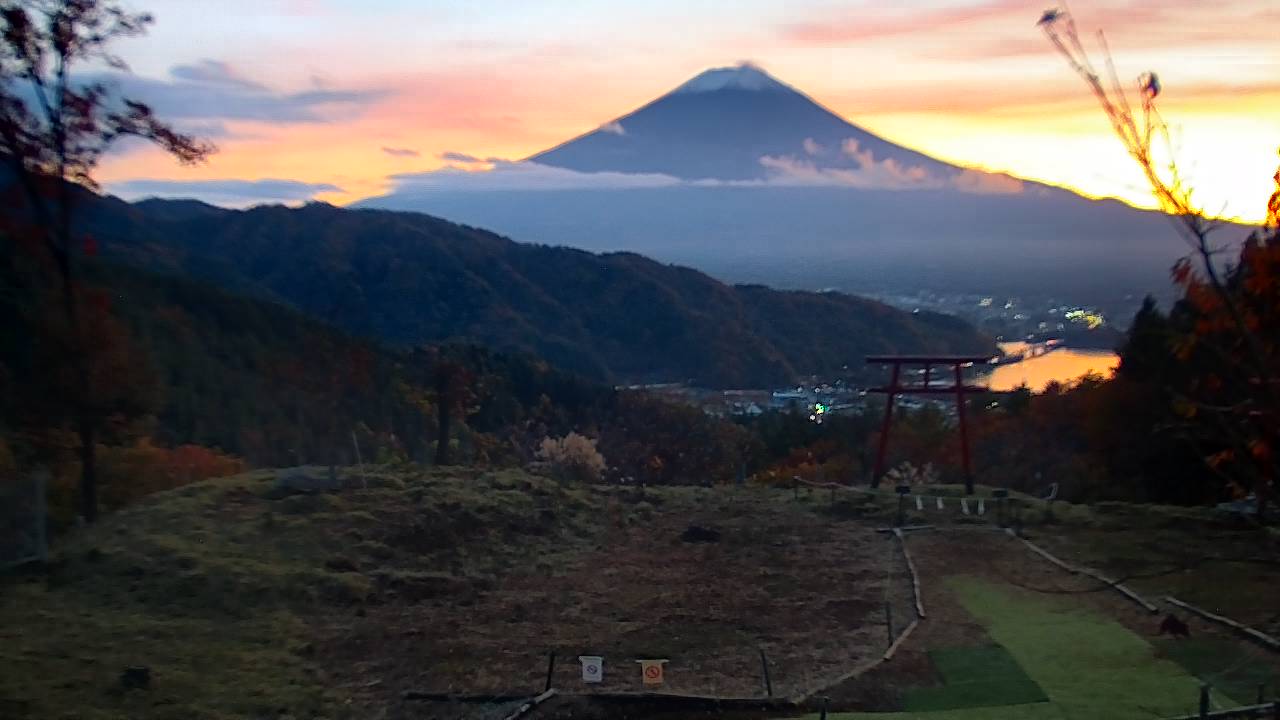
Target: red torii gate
{"x": 895, "y": 388}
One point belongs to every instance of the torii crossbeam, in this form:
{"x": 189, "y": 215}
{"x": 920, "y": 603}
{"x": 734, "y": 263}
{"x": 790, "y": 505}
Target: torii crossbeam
{"x": 957, "y": 363}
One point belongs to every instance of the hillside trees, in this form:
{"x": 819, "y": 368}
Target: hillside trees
{"x": 53, "y": 131}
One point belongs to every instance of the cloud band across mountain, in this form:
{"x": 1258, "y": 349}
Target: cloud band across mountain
{"x": 228, "y": 193}
{"x": 815, "y": 166}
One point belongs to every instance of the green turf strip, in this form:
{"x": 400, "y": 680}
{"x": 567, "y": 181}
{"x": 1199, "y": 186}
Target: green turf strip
{"x": 974, "y": 677}
{"x": 1090, "y": 667}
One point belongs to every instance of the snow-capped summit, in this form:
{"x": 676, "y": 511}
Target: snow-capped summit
{"x": 743, "y": 76}
{"x": 731, "y": 123}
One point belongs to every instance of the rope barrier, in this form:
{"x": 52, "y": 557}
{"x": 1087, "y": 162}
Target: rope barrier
{"x": 915, "y": 577}
{"x": 1256, "y": 636}
{"x": 1078, "y": 570}
{"x": 531, "y": 704}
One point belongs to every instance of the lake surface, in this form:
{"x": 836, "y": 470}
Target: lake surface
{"x": 1063, "y": 365}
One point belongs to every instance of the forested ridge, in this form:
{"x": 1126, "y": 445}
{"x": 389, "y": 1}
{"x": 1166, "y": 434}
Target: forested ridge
{"x": 228, "y": 379}
{"x": 408, "y": 278}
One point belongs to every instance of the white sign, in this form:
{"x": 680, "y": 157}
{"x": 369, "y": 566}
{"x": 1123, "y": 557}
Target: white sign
{"x": 592, "y": 668}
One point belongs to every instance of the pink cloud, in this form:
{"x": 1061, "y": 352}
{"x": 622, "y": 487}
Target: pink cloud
{"x": 1170, "y": 23}
{"x": 881, "y": 174}
{"x": 869, "y": 24}
{"x": 986, "y": 183}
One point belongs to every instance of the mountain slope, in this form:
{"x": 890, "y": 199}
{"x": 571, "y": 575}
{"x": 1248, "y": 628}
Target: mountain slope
{"x": 719, "y": 125}
{"x": 277, "y": 388}
{"x": 408, "y": 278}
{"x": 1028, "y": 244}
{"x": 744, "y": 177}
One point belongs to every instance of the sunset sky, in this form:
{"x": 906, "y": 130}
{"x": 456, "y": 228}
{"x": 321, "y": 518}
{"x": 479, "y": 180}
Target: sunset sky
{"x": 328, "y": 98}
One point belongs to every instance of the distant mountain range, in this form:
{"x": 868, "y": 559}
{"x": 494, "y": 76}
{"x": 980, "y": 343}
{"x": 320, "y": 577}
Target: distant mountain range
{"x": 742, "y": 176}
{"x": 407, "y": 278}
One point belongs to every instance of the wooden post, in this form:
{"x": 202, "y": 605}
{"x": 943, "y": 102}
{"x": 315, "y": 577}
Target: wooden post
{"x": 964, "y": 431}
{"x": 888, "y": 621}
{"x": 884, "y": 427}
{"x": 1204, "y": 701}
{"x": 1002, "y": 501}
{"x": 825, "y": 701}
{"x": 364, "y": 480}
{"x": 41, "y": 513}
{"x": 902, "y": 504}
{"x": 551, "y": 666}
{"x": 764, "y": 665}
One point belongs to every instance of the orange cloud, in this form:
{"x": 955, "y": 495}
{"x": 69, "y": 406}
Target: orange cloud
{"x": 946, "y": 83}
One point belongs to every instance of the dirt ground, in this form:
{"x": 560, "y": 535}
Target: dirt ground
{"x": 786, "y": 577}
{"x": 808, "y": 590}
{"x": 248, "y": 604}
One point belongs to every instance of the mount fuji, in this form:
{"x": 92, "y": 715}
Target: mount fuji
{"x": 742, "y": 176}
{"x": 720, "y": 124}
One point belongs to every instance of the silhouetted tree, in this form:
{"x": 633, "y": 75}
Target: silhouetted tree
{"x": 1232, "y": 400}
{"x": 53, "y": 131}
{"x": 454, "y": 395}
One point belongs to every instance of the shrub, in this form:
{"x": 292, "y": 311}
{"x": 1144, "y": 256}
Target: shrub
{"x": 908, "y": 474}
{"x": 572, "y": 457}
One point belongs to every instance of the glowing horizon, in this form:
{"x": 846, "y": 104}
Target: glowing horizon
{"x": 335, "y": 99}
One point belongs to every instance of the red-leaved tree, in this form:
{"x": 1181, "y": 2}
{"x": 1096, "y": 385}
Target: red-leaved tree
{"x": 54, "y": 129}
{"x": 1226, "y": 328}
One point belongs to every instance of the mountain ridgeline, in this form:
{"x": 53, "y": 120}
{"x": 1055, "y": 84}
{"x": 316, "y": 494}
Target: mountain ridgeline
{"x": 747, "y": 178}
{"x": 408, "y": 278}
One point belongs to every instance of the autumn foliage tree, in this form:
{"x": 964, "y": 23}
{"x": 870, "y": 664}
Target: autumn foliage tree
{"x": 1226, "y": 329}
{"x": 1230, "y": 334}
{"x": 54, "y": 129}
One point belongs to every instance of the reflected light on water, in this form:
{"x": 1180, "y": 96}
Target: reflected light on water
{"x": 1064, "y": 366}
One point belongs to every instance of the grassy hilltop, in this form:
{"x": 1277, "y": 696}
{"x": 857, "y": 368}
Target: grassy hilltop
{"x": 244, "y": 600}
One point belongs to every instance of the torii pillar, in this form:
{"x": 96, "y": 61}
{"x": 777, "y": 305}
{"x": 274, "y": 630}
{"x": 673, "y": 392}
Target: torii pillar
{"x": 896, "y": 387}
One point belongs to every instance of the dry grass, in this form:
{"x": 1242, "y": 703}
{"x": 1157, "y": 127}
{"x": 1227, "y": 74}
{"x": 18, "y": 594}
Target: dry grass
{"x": 247, "y": 606}
{"x": 463, "y": 580}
